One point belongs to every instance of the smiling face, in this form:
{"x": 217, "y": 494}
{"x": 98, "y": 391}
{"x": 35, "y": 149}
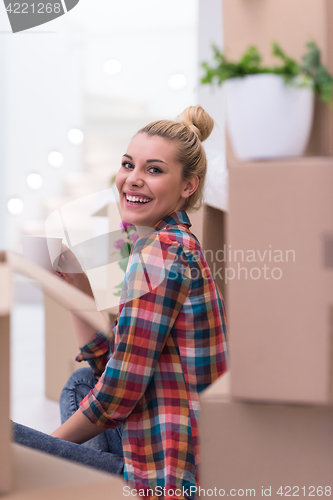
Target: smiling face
{"x": 149, "y": 171}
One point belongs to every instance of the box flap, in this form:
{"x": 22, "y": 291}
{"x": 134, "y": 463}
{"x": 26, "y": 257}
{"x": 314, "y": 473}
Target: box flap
{"x": 66, "y": 295}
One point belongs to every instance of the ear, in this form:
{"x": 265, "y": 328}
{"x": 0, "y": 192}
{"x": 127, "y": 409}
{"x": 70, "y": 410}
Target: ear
{"x": 190, "y": 186}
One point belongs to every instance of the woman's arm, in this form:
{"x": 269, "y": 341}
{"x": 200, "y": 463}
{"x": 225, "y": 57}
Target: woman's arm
{"x": 83, "y": 332}
{"x": 77, "y": 429}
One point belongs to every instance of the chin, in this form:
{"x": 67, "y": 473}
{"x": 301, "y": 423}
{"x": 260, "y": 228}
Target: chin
{"x": 131, "y": 218}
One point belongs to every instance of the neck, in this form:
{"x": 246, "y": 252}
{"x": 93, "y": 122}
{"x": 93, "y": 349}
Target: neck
{"x": 143, "y": 230}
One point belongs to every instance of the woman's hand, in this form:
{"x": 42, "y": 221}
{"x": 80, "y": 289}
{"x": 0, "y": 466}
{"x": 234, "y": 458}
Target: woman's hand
{"x": 70, "y": 270}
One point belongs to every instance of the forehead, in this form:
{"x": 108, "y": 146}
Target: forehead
{"x": 145, "y": 147}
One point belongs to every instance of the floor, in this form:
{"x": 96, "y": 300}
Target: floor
{"x": 29, "y": 406}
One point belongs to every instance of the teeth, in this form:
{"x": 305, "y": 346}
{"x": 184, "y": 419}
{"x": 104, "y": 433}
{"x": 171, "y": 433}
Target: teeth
{"x": 136, "y": 199}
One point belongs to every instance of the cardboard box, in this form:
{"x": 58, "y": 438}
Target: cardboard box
{"x": 38, "y": 476}
{"x": 209, "y": 226}
{"x": 281, "y": 218}
{"x": 5, "y": 306}
{"x": 263, "y": 448}
{"x": 197, "y": 221}
{"x": 61, "y": 347}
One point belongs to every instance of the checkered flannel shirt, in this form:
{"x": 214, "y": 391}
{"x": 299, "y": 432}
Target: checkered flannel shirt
{"x": 168, "y": 343}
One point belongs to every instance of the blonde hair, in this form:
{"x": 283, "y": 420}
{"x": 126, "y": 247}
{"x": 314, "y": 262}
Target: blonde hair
{"x": 193, "y": 126}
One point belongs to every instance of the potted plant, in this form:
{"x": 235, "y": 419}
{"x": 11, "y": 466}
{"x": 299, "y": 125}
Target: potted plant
{"x": 270, "y": 109}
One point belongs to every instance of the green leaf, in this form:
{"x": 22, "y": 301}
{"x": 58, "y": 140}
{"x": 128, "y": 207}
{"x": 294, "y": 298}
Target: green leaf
{"x": 123, "y": 264}
{"x": 125, "y": 250}
{"x": 120, "y": 285}
{"x": 302, "y": 75}
{"x": 312, "y": 66}
{"x": 251, "y": 58}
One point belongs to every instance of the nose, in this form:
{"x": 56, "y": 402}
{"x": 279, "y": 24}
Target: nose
{"x": 134, "y": 178}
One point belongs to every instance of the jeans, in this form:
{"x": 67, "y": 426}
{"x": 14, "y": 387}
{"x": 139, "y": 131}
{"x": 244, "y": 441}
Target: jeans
{"x": 103, "y": 452}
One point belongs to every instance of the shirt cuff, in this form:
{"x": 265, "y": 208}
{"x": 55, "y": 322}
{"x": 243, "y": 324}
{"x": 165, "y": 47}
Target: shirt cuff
{"x": 94, "y": 411}
{"x": 98, "y": 346}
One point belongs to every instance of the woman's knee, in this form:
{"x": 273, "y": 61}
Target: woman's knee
{"x": 81, "y": 376}
{"x": 75, "y": 390}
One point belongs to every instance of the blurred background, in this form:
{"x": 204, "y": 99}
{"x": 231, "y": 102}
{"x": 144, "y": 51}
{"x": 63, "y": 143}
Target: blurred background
{"x": 75, "y": 90}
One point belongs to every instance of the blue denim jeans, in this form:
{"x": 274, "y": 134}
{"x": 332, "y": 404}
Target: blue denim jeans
{"x": 103, "y": 452}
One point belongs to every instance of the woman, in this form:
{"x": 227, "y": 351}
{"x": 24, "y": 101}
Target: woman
{"x": 170, "y": 338}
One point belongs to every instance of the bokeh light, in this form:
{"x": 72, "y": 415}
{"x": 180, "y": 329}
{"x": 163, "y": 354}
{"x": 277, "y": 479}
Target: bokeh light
{"x": 34, "y": 181}
{"x": 75, "y": 136}
{"x": 15, "y": 206}
{"x": 55, "y": 159}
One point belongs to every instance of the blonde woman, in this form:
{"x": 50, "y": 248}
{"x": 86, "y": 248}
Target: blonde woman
{"x": 136, "y": 409}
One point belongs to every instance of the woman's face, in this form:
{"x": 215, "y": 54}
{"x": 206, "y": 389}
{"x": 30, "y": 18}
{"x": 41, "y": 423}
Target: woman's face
{"x": 149, "y": 172}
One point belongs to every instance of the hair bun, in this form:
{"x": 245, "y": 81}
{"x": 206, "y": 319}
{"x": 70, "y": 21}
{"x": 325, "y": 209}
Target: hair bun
{"x": 197, "y": 120}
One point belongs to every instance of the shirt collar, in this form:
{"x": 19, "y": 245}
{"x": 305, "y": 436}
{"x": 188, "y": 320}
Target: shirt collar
{"x": 174, "y": 218}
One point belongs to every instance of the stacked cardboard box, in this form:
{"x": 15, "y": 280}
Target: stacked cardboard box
{"x": 266, "y": 427}
{"x": 273, "y": 426}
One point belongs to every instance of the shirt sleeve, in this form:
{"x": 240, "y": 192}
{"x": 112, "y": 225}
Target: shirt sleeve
{"x": 156, "y": 284}
{"x": 98, "y": 351}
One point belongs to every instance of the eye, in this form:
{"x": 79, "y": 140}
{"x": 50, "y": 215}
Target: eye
{"x": 125, "y": 163}
{"x": 157, "y": 170}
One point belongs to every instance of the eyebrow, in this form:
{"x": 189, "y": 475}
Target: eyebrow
{"x": 148, "y": 161}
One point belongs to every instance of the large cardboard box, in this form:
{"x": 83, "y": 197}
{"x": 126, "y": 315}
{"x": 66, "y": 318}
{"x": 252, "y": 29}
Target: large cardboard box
{"x": 280, "y": 280}
{"x": 61, "y": 348}
{"x": 209, "y": 226}
{"x": 40, "y": 476}
{"x": 6, "y": 294}
{"x": 254, "y": 449}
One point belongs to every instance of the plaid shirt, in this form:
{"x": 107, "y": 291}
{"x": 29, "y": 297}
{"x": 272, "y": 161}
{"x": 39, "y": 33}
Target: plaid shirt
{"x": 168, "y": 344}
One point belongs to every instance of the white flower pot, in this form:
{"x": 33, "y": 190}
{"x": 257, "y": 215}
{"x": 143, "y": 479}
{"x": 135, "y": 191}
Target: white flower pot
{"x": 267, "y": 118}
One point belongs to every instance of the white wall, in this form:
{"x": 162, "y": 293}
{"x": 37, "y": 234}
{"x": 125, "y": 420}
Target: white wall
{"x": 4, "y": 26}
{"x": 42, "y": 100}
{"x": 211, "y": 99}
{"x": 52, "y": 67}
{"x": 152, "y": 39}
{"x": 2, "y": 148}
